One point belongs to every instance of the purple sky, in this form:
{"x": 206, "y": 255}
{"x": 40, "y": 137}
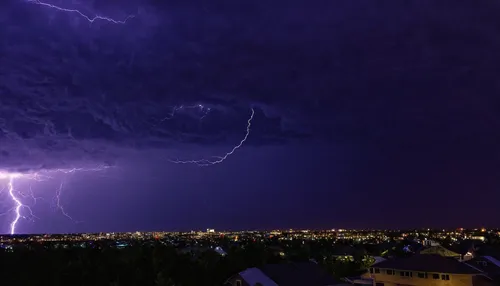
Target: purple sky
{"x": 365, "y": 115}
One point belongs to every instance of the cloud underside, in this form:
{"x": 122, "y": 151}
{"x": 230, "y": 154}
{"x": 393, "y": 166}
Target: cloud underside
{"x": 70, "y": 91}
{"x": 42, "y": 126}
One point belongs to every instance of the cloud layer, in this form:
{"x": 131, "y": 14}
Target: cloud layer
{"x": 71, "y": 91}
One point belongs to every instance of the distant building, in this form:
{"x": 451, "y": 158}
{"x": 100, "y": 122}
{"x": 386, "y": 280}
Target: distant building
{"x": 430, "y": 242}
{"x": 286, "y": 274}
{"x": 210, "y": 230}
{"x": 426, "y": 270}
{"x": 479, "y": 238}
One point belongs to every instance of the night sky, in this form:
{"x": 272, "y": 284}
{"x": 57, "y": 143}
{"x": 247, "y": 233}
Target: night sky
{"x": 366, "y": 114}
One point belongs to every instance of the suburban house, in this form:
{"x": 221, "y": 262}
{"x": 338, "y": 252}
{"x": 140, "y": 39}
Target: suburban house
{"x": 285, "y": 274}
{"x": 488, "y": 265}
{"x": 426, "y": 270}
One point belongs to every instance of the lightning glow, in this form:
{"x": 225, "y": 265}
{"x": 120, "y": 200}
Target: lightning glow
{"x": 220, "y": 159}
{"x": 88, "y": 18}
{"x": 199, "y": 107}
{"x": 15, "y": 195}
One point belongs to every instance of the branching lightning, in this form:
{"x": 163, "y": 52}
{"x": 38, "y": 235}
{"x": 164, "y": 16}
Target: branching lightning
{"x": 220, "y": 159}
{"x": 16, "y": 195}
{"x": 17, "y": 207}
{"x": 88, "y": 18}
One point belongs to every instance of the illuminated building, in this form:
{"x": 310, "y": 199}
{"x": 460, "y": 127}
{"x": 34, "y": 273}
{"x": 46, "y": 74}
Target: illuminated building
{"x": 426, "y": 270}
{"x": 441, "y": 251}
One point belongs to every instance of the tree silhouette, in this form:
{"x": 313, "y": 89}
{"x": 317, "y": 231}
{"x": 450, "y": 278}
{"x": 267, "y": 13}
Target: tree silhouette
{"x": 142, "y": 263}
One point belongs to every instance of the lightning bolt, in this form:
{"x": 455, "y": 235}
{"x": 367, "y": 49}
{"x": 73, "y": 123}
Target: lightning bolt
{"x": 32, "y": 195}
{"x": 88, "y": 18}
{"x": 18, "y": 206}
{"x": 37, "y": 176}
{"x": 220, "y": 159}
{"x": 58, "y": 202}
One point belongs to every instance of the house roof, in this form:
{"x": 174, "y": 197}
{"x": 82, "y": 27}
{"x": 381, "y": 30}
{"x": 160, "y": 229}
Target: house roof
{"x": 488, "y": 264}
{"x": 254, "y": 275}
{"x": 439, "y": 250}
{"x": 298, "y": 274}
{"x": 428, "y": 263}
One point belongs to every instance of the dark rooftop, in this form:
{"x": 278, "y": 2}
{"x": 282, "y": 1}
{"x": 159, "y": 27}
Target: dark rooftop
{"x": 295, "y": 274}
{"x": 428, "y": 263}
{"x": 486, "y": 265}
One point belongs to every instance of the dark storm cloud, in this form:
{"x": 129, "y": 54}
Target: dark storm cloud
{"x": 73, "y": 91}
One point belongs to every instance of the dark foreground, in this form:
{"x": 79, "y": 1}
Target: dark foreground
{"x": 152, "y": 264}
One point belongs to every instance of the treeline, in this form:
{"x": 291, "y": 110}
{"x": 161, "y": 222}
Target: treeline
{"x": 155, "y": 264}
